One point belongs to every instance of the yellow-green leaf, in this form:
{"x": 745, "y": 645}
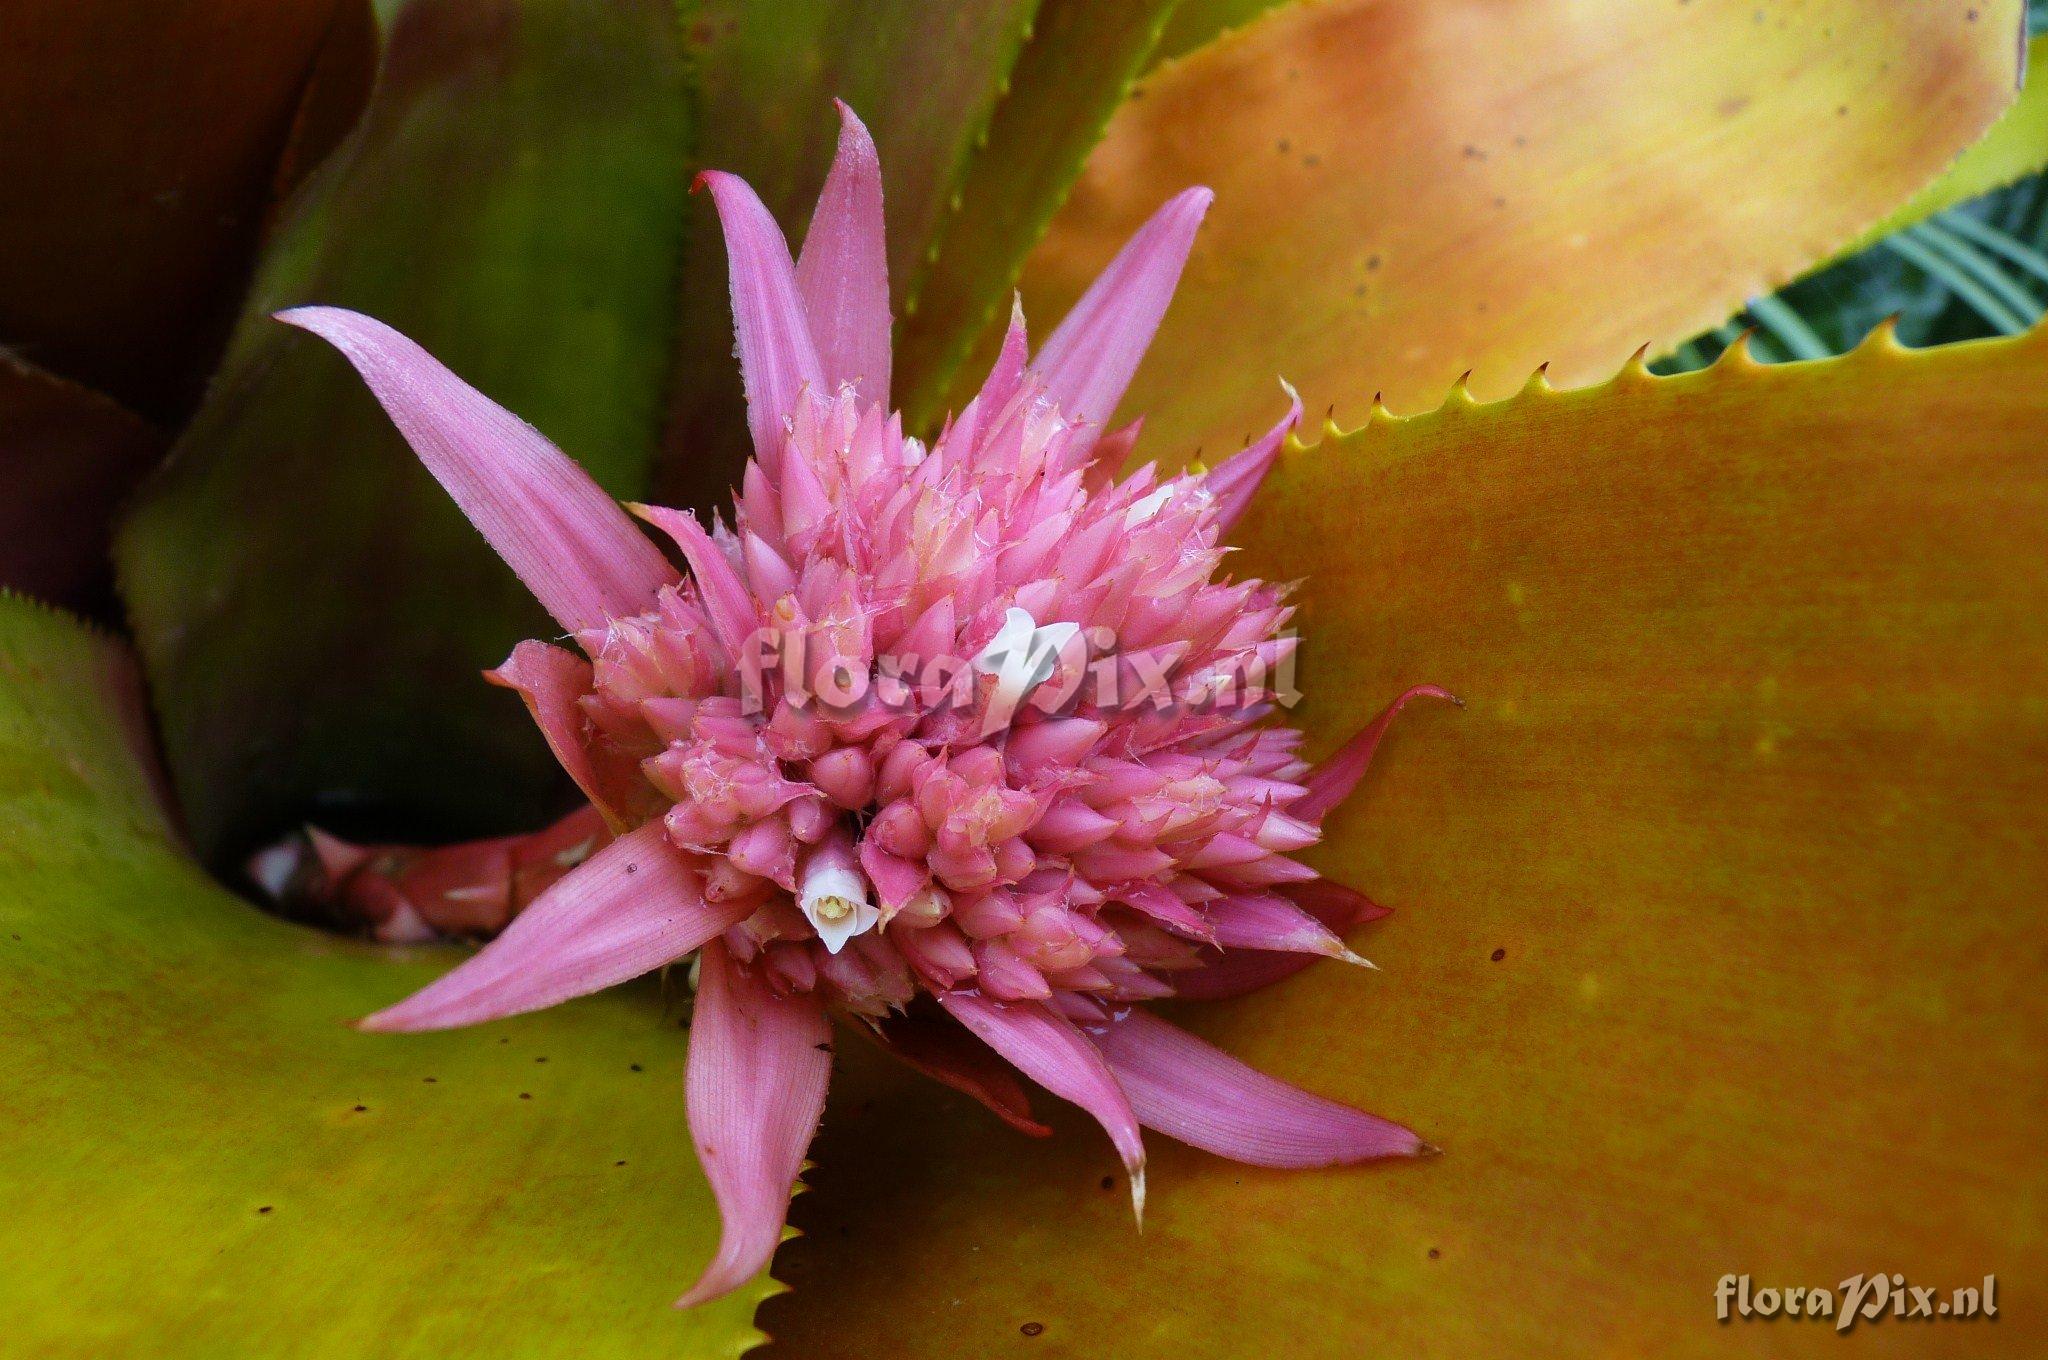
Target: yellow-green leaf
{"x": 1719, "y": 911}
{"x": 201, "y": 1159}
{"x": 1196, "y": 22}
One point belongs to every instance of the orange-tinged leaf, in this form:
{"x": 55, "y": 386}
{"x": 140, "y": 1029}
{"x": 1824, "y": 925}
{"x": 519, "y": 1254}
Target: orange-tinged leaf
{"x": 1719, "y": 910}
{"x": 2017, "y": 145}
{"x": 1408, "y": 189}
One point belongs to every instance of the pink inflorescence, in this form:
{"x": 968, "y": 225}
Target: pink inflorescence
{"x": 890, "y": 847}
{"x": 974, "y": 721}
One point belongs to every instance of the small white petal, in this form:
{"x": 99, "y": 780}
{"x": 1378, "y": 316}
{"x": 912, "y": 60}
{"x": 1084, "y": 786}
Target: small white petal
{"x": 835, "y": 901}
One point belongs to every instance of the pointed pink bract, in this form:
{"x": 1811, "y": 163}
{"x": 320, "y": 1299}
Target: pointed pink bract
{"x": 778, "y": 357}
{"x": 1236, "y": 480}
{"x": 1046, "y": 1047}
{"x": 1333, "y": 780}
{"x": 1090, "y": 359}
{"x": 759, "y": 1064}
{"x": 568, "y": 540}
{"x": 629, "y": 909}
{"x": 1197, "y": 1093}
{"x": 552, "y": 682}
{"x": 1269, "y": 921}
{"x": 733, "y": 612}
{"x": 1242, "y": 971}
{"x": 842, "y": 273}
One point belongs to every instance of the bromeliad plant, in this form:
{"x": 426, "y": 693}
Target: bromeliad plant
{"x": 1717, "y": 947}
{"x": 804, "y": 790}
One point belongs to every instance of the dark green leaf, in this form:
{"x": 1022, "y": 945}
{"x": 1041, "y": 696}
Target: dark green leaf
{"x": 312, "y": 609}
{"x": 1078, "y": 66}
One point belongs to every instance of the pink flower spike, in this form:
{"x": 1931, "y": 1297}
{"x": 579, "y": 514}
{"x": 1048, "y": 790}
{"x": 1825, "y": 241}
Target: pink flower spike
{"x": 842, "y": 273}
{"x": 1189, "y": 1090}
{"x": 1046, "y": 1047}
{"x": 556, "y": 528}
{"x": 1236, "y": 480}
{"x": 1333, "y": 780}
{"x": 875, "y": 770}
{"x": 732, "y": 609}
{"x": 1090, "y": 359}
{"x": 755, "y": 1089}
{"x": 778, "y": 358}
{"x": 629, "y": 909}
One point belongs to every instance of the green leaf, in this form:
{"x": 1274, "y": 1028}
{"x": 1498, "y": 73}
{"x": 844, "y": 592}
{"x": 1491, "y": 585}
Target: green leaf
{"x": 204, "y": 1160}
{"x": 312, "y": 609}
{"x": 1197, "y": 23}
{"x": 1718, "y": 910}
{"x": 926, "y": 79}
{"x": 1079, "y": 64}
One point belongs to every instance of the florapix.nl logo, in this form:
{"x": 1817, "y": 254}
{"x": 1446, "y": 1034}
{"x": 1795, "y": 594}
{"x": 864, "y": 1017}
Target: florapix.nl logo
{"x": 1053, "y": 667}
{"x": 1858, "y": 1299}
